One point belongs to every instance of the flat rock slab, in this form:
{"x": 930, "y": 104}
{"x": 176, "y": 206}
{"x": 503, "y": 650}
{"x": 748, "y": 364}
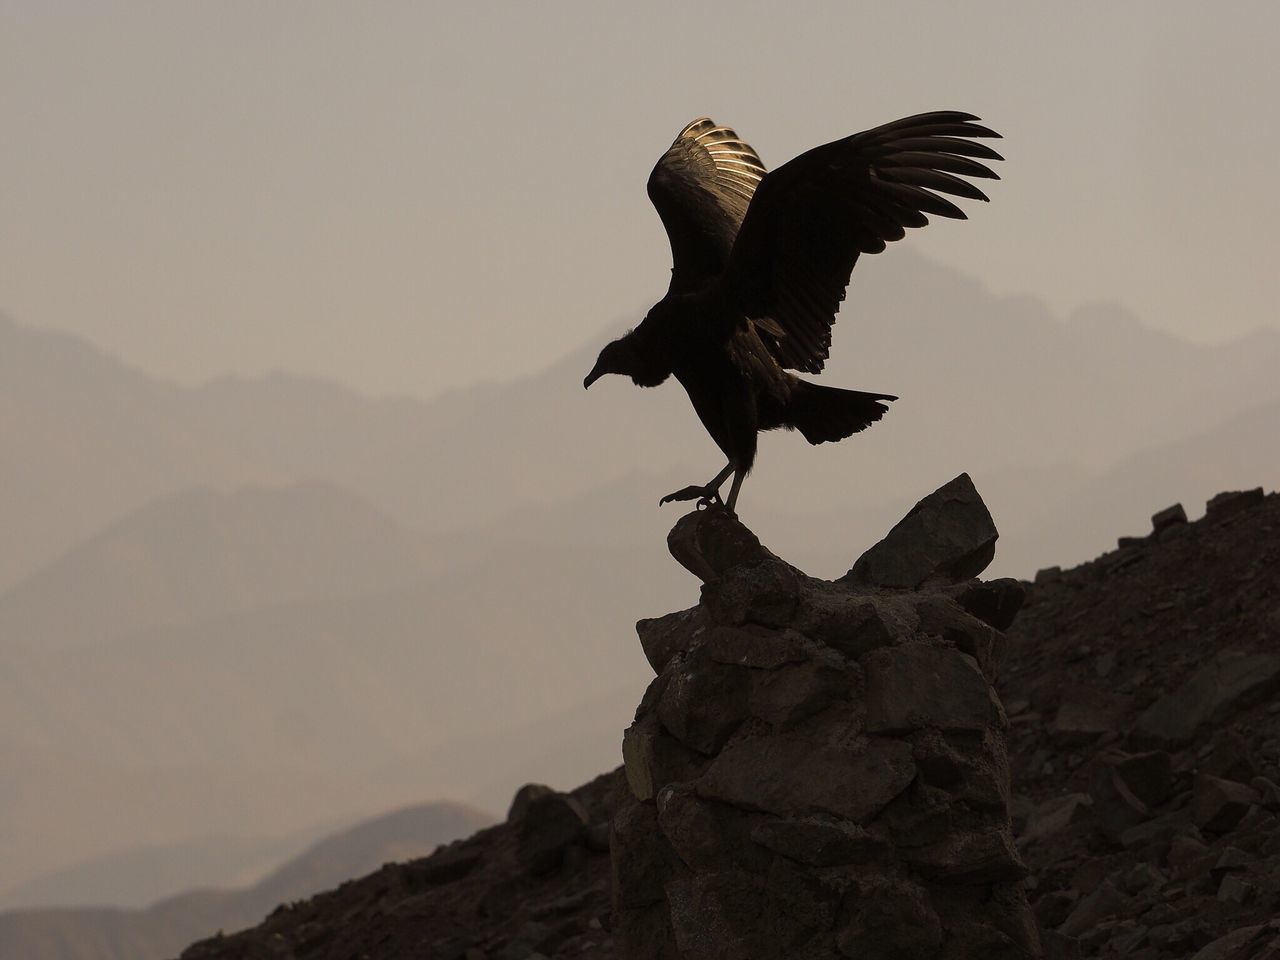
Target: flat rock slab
{"x": 1085, "y": 714}
{"x": 1228, "y": 682}
{"x": 818, "y": 841}
{"x": 1055, "y": 815}
{"x": 1218, "y": 805}
{"x": 948, "y": 536}
{"x": 1230, "y": 502}
{"x": 969, "y": 856}
{"x": 662, "y": 638}
{"x": 702, "y": 707}
{"x": 848, "y": 623}
{"x": 1168, "y": 517}
{"x": 1105, "y": 902}
{"x": 754, "y": 646}
{"x": 791, "y": 776}
{"x": 716, "y": 916}
{"x": 920, "y": 685}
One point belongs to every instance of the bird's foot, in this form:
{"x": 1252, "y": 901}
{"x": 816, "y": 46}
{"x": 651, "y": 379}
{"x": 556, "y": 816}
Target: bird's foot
{"x": 706, "y": 496}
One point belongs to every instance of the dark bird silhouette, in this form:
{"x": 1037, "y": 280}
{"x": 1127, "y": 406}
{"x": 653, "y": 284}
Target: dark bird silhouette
{"x": 760, "y": 265}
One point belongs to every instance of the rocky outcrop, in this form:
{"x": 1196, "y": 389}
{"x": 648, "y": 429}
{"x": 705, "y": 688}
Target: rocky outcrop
{"x": 819, "y": 769}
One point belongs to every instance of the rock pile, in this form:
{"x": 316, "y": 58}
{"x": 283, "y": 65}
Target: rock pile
{"x": 819, "y": 769}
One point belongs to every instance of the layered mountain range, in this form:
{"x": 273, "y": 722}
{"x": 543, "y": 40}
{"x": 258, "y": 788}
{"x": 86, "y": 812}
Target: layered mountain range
{"x": 255, "y": 608}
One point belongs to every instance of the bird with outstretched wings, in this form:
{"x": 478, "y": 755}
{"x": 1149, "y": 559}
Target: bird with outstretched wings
{"x": 760, "y": 263}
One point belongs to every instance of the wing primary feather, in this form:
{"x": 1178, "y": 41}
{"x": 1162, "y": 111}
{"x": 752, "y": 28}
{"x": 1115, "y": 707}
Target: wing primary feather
{"x": 907, "y": 216}
{"x": 964, "y": 148}
{"x": 935, "y": 180}
{"x": 922, "y": 199}
{"x": 938, "y": 161}
{"x": 920, "y": 119}
{"x": 966, "y": 130}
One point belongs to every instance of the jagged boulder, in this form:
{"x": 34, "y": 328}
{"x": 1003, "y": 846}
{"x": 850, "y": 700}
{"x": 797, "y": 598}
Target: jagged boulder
{"x": 1218, "y": 805}
{"x": 819, "y": 769}
{"x": 948, "y": 536}
{"x": 711, "y": 543}
{"x": 547, "y": 826}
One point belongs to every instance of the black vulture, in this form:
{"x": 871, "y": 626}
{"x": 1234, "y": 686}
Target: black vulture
{"x": 760, "y": 264}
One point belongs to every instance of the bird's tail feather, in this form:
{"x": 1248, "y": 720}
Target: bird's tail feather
{"x": 829, "y": 413}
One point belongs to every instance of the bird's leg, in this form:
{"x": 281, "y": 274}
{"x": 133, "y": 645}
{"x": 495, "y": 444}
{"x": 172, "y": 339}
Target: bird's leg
{"x": 733, "y": 491}
{"x": 707, "y": 495}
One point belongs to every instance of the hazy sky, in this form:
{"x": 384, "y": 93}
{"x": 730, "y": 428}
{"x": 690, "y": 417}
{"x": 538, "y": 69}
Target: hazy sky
{"x": 412, "y": 196}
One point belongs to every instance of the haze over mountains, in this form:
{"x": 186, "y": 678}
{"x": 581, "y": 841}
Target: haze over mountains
{"x": 203, "y": 554}
{"x": 164, "y": 928}
{"x": 259, "y": 606}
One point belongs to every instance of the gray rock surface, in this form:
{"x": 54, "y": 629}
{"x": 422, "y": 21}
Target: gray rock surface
{"x": 1226, "y": 683}
{"x": 920, "y": 685}
{"x": 994, "y": 602}
{"x": 550, "y": 824}
{"x": 662, "y": 637}
{"x": 1168, "y": 517}
{"x": 1116, "y": 806}
{"x": 1218, "y": 805}
{"x": 709, "y": 543}
{"x": 948, "y": 536}
{"x": 1231, "y": 946}
{"x": 818, "y": 769}
{"x": 1056, "y": 814}
{"x": 1230, "y": 502}
{"x": 1085, "y": 715}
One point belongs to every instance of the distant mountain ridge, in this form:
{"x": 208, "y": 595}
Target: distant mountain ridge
{"x": 164, "y": 928}
{"x": 136, "y": 877}
{"x": 326, "y": 695}
{"x": 1090, "y": 390}
{"x": 201, "y": 554}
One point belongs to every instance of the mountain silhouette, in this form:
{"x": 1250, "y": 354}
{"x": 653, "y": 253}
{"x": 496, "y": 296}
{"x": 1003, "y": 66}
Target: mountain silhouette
{"x": 202, "y": 554}
{"x": 162, "y": 929}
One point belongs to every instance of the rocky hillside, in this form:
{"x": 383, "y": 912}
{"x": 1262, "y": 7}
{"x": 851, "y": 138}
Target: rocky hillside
{"x": 536, "y": 885}
{"x": 1145, "y": 735}
{"x": 1144, "y": 747}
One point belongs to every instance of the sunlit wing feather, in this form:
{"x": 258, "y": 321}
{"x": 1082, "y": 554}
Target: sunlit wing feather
{"x": 701, "y": 188}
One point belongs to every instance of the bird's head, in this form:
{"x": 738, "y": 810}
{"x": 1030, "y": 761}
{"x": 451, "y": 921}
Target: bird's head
{"x": 616, "y": 357}
{"x": 626, "y": 356}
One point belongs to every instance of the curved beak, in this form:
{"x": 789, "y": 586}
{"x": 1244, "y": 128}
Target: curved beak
{"x": 595, "y": 374}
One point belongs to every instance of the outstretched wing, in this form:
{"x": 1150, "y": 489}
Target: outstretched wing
{"x": 701, "y": 188}
{"x": 811, "y": 217}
